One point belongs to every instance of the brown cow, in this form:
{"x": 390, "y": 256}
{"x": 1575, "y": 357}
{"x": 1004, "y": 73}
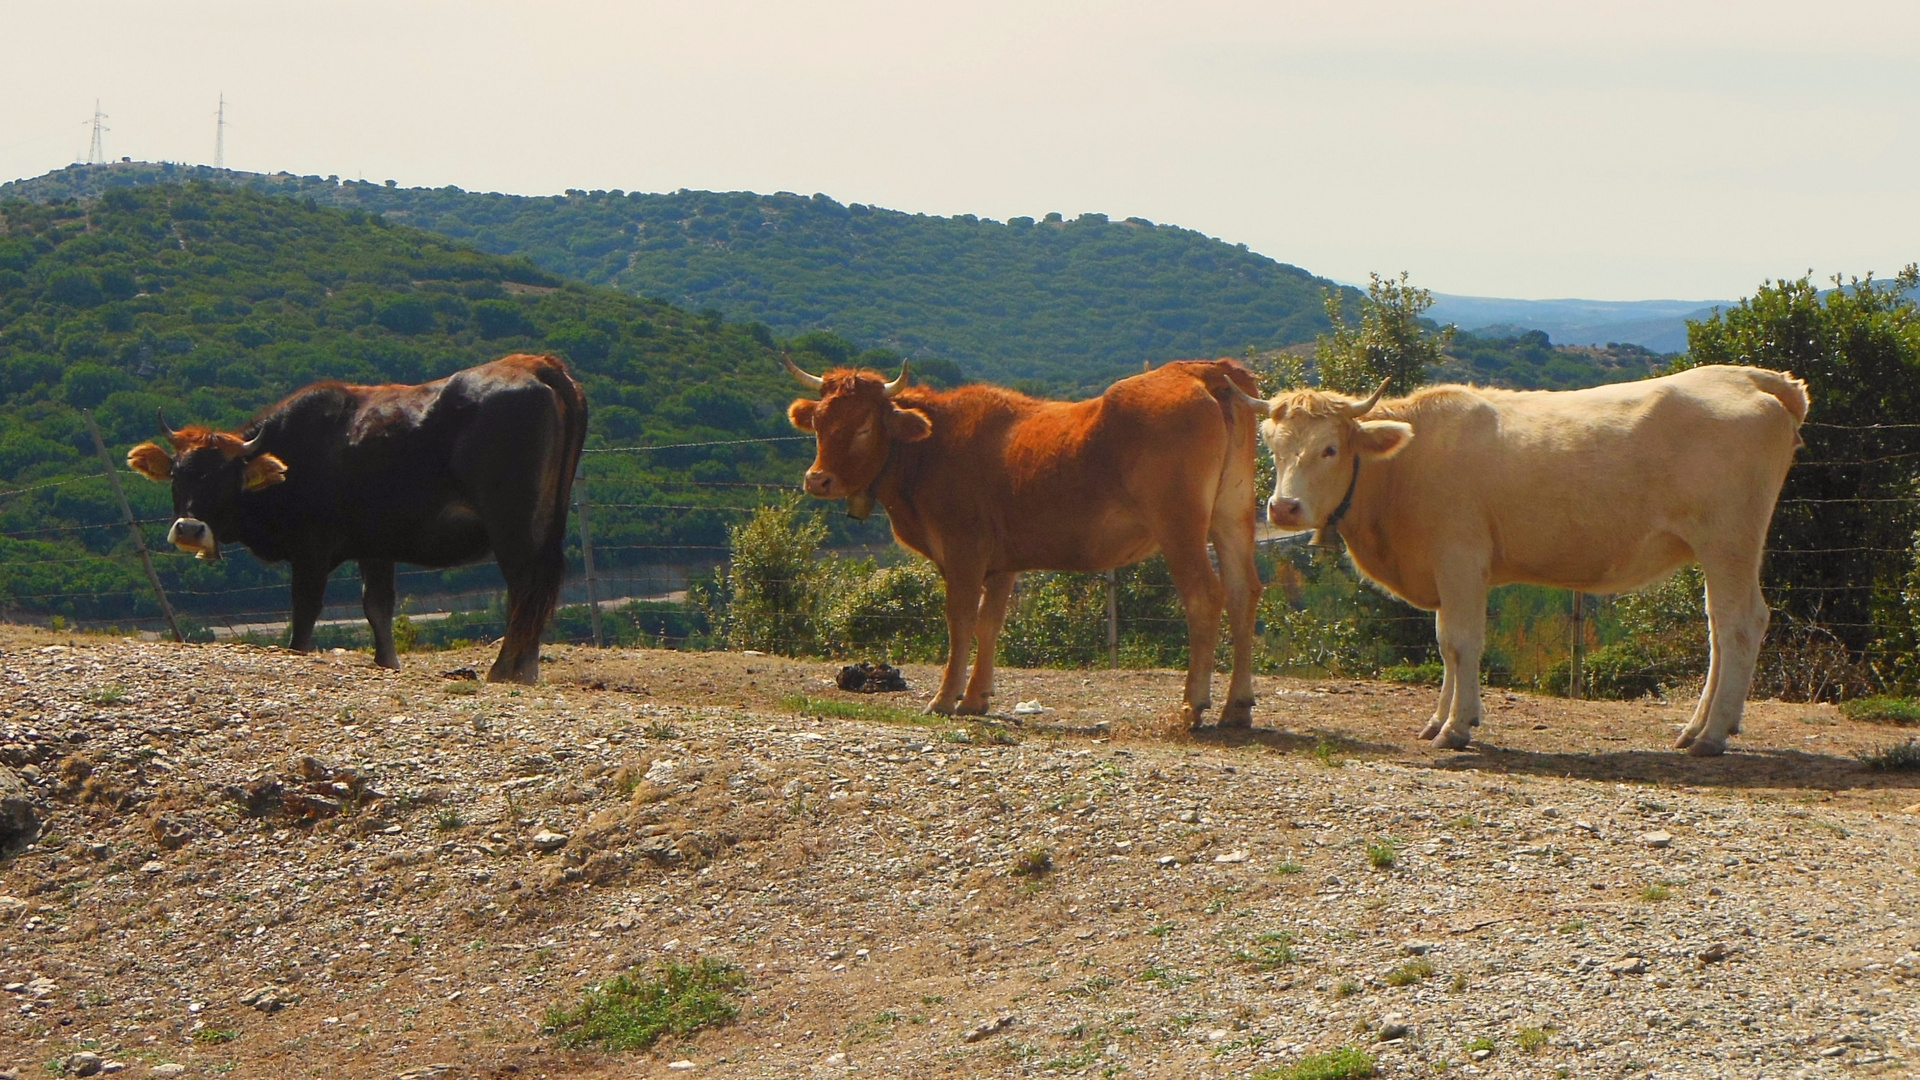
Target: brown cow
{"x": 987, "y": 482}
{"x": 1455, "y": 489}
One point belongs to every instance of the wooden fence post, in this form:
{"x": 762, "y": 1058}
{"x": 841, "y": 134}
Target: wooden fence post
{"x": 1113, "y": 619}
{"x": 139, "y": 540}
{"x": 1577, "y": 665}
{"x": 586, "y": 551}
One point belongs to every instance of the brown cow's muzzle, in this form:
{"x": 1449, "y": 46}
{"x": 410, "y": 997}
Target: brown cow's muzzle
{"x": 191, "y": 534}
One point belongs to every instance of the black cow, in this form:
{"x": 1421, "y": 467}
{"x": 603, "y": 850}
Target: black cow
{"x": 479, "y": 463}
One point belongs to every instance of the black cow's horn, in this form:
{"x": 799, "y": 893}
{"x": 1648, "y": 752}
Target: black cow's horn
{"x": 160, "y": 414}
{"x": 811, "y": 382}
{"x": 1366, "y": 406}
{"x": 248, "y": 447}
{"x": 900, "y": 383}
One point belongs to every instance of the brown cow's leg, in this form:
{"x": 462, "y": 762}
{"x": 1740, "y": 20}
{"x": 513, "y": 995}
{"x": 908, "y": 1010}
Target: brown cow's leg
{"x": 1241, "y": 579}
{"x": 986, "y": 632}
{"x": 1203, "y": 596}
{"x": 376, "y": 599}
{"x": 309, "y": 593}
{"x": 963, "y": 611}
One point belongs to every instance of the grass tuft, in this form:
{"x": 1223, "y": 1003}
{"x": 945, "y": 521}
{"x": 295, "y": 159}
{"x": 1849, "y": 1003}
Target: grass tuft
{"x": 1531, "y": 1039}
{"x": 632, "y": 1011}
{"x": 1033, "y": 862}
{"x": 1345, "y": 1063}
{"x": 1268, "y": 951}
{"x": 1381, "y": 854}
{"x": 1410, "y": 972}
{"x": 215, "y": 1036}
{"x": 1900, "y": 757}
{"x": 1655, "y": 893}
{"x": 1904, "y": 712}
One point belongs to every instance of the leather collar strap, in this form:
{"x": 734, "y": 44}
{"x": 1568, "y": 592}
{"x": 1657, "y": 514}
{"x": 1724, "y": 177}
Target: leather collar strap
{"x": 1328, "y": 535}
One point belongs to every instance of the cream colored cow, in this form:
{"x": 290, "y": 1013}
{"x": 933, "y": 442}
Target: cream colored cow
{"x": 1455, "y": 489}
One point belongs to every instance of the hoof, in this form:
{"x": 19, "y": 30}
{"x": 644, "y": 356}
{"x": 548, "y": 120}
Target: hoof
{"x": 1452, "y": 740}
{"x": 1237, "y": 714}
{"x": 1433, "y": 728}
{"x": 1190, "y": 717}
{"x": 967, "y": 708}
{"x": 1707, "y": 748}
{"x": 940, "y": 708}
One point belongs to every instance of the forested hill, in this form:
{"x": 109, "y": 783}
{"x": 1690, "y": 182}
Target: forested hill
{"x": 213, "y": 301}
{"x": 1067, "y": 302}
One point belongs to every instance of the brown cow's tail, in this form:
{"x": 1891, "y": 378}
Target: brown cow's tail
{"x": 1785, "y": 388}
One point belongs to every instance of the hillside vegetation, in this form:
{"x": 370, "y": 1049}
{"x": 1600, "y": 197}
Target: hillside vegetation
{"x": 1076, "y": 302}
{"x": 212, "y": 302}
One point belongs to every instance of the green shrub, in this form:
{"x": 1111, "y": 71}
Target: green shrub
{"x": 632, "y": 1011}
{"x": 1346, "y": 1063}
{"x": 1430, "y": 673}
{"x": 894, "y": 613}
{"x": 1900, "y": 757}
{"x": 772, "y": 586}
{"x": 1882, "y": 710}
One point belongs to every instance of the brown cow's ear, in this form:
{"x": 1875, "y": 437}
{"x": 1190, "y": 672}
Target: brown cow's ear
{"x": 1381, "y": 439}
{"x": 262, "y": 472}
{"x": 800, "y": 413}
{"x": 909, "y": 425}
{"x": 150, "y": 461}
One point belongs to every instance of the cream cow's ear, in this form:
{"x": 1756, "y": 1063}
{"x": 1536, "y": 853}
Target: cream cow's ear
{"x": 1380, "y": 439}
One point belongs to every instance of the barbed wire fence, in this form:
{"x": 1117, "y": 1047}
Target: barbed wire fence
{"x": 616, "y": 574}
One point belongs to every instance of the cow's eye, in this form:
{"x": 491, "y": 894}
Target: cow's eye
{"x": 1330, "y": 451}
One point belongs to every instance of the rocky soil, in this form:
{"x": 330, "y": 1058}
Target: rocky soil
{"x": 258, "y": 864}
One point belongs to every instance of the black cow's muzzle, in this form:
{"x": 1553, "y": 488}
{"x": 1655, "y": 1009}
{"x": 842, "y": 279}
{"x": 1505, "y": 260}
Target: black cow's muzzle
{"x": 196, "y": 536}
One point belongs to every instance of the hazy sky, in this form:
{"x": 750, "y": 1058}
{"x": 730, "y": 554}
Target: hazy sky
{"x": 1614, "y": 150}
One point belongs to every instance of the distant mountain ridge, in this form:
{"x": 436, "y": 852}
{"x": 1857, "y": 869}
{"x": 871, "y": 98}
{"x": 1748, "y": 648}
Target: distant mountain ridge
{"x": 1659, "y": 325}
{"x": 1068, "y": 302}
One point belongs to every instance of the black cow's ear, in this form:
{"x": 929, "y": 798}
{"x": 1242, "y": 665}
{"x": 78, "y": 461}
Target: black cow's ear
{"x": 150, "y": 461}
{"x": 909, "y": 425}
{"x": 800, "y": 413}
{"x": 262, "y": 472}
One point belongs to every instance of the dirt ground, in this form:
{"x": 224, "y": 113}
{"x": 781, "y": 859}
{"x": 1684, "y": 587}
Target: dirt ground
{"x": 259, "y": 864}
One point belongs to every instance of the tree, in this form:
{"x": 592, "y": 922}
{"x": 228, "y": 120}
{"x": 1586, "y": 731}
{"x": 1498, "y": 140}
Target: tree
{"x": 1842, "y": 538}
{"x": 1391, "y": 341}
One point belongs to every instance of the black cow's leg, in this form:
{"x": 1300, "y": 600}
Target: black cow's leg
{"x": 376, "y": 599}
{"x": 309, "y": 592}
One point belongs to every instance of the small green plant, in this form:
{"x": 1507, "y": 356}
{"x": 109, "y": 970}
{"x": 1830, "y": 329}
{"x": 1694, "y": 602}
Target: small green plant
{"x": 448, "y": 820}
{"x": 1531, "y": 1039}
{"x": 1165, "y": 977}
{"x": 1381, "y": 854}
{"x": 1900, "y": 757}
{"x": 1033, "y": 863}
{"x": 1288, "y": 867}
{"x": 1410, "y": 972}
{"x": 1571, "y": 926}
{"x": 834, "y": 709}
{"x": 1484, "y": 1042}
{"x": 932, "y": 999}
{"x": 1161, "y": 930}
{"x": 462, "y": 688}
{"x": 1327, "y": 752}
{"x": 631, "y": 1011}
{"x": 1655, "y": 893}
{"x": 1904, "y": 712}
{"x": 1268, "y": 951}
{"x": 1346, "y": 1063}
{"x": 879, "y": 1027}
{"x": 208, "y": 1036}
{"x": 1459, "y": 982}
{"x": 1462, "y": 823}
{"x": 110, "y": 694}
{"x": 1431, "y": 673}
{"x": 660, "y": 731}
{"x": 1346, "y": 988}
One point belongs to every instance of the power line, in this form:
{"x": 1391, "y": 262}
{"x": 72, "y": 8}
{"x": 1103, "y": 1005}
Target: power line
{"x": 97, "y": 151}
{"x": 220, "y": 134}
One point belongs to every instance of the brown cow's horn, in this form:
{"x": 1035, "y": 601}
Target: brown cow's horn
{"x": 900, "y": 383}
{"x": 811, "y": 382}
{"x": 1366, "y": 406}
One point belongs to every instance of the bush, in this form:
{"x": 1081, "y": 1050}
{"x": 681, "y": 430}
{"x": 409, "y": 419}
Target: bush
{"x": 632, "y": 1011}
{"x": 1882, "y": 710}
{"x": 772, "y": 590}
{"x": 896, "y": 613}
